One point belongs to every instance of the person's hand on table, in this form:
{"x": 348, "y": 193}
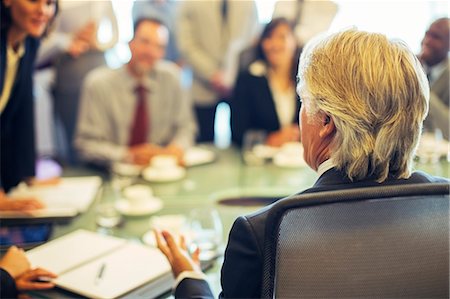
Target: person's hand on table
{"x": 286, "y": 134}
{"x": 174, "y": 150}
{"x": 52, "y": 181}
{"x": 19, "y": 204}
{"x": 30, "y": 280}
{"x": 15, "y": 262}
{"x": 142, "y": 153}
{"x": 177, "y": 254}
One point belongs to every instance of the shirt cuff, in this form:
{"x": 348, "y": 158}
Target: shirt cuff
{"x": 189, "y": 274}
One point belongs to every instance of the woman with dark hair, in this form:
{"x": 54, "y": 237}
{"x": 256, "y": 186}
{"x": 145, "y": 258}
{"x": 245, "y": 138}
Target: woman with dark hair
{"x": 23, "y": 22}
{"x": 264, "y": 97}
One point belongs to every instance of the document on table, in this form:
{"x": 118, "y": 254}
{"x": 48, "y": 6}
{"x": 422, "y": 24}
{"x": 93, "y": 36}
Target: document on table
{"x": 99, "y": 266}
{"x": 66, "y": 199}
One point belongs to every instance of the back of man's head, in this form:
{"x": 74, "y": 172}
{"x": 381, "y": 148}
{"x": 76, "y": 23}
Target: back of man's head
{"x": 377, "y": 94}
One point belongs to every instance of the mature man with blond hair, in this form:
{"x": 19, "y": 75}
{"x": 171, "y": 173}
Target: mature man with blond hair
{"x": 364, "y": 101}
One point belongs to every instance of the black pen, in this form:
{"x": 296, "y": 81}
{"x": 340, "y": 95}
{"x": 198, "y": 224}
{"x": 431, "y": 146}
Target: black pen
{"x": 100, "y": 273}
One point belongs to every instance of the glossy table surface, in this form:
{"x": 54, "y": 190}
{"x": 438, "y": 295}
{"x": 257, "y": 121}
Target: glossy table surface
{"x": 204, "y": 185}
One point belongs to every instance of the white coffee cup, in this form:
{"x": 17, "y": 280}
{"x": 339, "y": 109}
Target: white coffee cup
{"x": 162, "y": 162}
{"x": 137, "y": 195}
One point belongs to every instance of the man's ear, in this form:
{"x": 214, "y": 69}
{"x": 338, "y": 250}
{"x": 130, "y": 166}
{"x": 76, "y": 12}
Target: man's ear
{"x": 328, "y": 127}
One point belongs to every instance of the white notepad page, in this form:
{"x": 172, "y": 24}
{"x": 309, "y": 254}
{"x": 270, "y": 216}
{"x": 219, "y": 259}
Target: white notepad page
{"x": 78, "y": 259}
{"x": 72, "y": 250}
{"x": 124, "y": 270}
{"x": 74, "y": 192}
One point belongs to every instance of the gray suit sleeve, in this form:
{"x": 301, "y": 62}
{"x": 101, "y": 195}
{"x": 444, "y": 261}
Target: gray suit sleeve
{"x": 439, "y": 114}
{"x": 200, "y": 60}
{"x": 185, "y": 124}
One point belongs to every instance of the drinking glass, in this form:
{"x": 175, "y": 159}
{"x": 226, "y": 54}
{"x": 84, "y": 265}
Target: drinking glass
{"x": 107, "y": 215}
{"x": 205, "y": 231}
{"x": 429, "y": 147}
{"x": 253, "y": 138}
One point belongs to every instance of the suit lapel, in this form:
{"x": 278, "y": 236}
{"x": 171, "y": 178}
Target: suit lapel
{"x": 440, "y": 86}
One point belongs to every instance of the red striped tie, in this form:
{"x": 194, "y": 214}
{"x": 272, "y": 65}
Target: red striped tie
{"x": 141, "y": 124}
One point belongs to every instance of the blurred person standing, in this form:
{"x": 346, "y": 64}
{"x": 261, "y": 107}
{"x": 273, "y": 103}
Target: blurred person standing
{"x": 311, "y": 17}
{"x": 434, "y": 58}
{"x": 23, "y": 22}
{"x": 264, "y": 97}
{"x": 83, "y": 31}
{"x": 211, "y": 35}
{"x": 165, "y": 11}
{"x": 139, "y": 110}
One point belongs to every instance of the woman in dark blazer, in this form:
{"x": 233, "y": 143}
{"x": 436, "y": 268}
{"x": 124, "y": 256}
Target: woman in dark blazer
{"x": 264, "y": 97}
{"x": 22, "y": 23}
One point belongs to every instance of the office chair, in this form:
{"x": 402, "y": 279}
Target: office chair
{"x": 385, "y": 242}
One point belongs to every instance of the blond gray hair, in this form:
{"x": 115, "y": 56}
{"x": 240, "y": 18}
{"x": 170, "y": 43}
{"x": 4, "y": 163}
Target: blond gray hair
{"x": 377, "y": 94}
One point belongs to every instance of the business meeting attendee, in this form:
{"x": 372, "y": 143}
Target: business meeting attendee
{"x": 82, "y": 33}
{"x": 210, "y": 36}
{"x": 310, "y": 17}
{"x": 139, "y": 110}
{"x": 358, "y": 90}
{"x": 165, "y": 11}
{"x": 434, "y": 58}
{"x": 17, "y": 276}
{"x": 264, "y": 97}
{"x": 22, "y": 24}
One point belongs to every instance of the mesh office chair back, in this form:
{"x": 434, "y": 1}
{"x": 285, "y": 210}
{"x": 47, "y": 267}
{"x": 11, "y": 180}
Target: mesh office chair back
{"x": 384, "y": 242}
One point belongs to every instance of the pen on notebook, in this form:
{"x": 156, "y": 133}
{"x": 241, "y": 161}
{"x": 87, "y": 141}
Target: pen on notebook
{"x": 100, "y": 273}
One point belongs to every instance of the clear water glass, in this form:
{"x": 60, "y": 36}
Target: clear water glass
{"x": 206, "y": 232}
{"x": 107, "y": 216}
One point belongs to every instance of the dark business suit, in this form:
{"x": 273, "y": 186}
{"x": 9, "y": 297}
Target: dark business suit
{"x": 253, "y": 107}
{"x": 242, "y": 267}
{"x": 7, "y": 285}
{"x": 17, "y": 150}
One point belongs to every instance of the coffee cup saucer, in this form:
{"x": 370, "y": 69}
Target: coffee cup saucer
{"x": 147, "y": 206}
{"x": 157, "y": 175}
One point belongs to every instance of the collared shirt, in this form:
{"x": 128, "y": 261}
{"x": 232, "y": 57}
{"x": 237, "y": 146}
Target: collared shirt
{"x": 284, "y": 105}
{"x": 107, "y": 108}
{"x": 12, "y": 65}
{"x": 325, "y": 166}
{"x": 284, "y": 101}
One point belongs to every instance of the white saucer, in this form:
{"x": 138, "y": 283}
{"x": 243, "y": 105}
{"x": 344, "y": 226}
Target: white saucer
{"x": 290, "y": 156}
{"x": 155, "y": 175}
{"x": 150, "y": 205}
{"x": 197, "y": 156}
{"x": 126, "y": 169}
{"x": 289, "y": 161}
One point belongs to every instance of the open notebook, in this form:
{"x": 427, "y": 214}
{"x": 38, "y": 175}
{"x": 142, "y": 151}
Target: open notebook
{"x": 99, "y": 266}
{"x": 64, "y": 200}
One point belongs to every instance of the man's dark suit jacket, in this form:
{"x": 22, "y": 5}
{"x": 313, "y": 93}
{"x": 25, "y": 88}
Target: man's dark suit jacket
{"x": 17, "y": 148}
{"x": 253, "y": 107}
{"x": 242, "y": 267}
{"x": 7, "y": 285}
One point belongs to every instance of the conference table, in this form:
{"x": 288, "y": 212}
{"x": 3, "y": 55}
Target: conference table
{"x": 227, "y": 177}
